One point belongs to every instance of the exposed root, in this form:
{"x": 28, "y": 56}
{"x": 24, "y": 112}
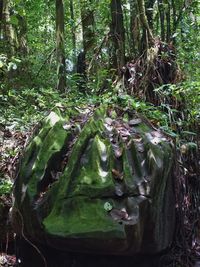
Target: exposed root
{"x": 17, "y": 212}
{"x": 154, "y": 68}
{"x": 186, "y": 247}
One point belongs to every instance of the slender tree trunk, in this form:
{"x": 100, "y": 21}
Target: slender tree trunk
{"x": 73, "y": 31}
{"x": 87, "y": 17}
{"x": 85, "y": 56}
{"x": 127, "y": 31}
{"x": 149, "y": 12}
{"x": 60, "y": 50}
{"x": 168, "y": 20}
{"x": 22, "y": 38}
{"x": 147, "y": 33}
{"x": 9, "y": 35}
{"x": 117, "y": 30}
{"x": 134, "y": 27}
{"x": 162, "y": 19}
{"x": 174, "y": 15}
{"x": 1, "y": 17}
{"x": 157, "y": 23}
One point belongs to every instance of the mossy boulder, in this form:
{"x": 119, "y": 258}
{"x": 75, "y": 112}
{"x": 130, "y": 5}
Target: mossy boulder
{"x": 99, "y": 182}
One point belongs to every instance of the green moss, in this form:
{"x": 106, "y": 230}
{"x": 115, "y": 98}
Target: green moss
{"x": 45, "y": 153}
{"x": 49, "y": 141}
{"x": 83, "y": 217}
{"x": 94, "y": 170}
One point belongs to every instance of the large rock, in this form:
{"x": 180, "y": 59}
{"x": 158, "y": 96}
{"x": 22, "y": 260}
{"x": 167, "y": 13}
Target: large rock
{"x": 100, "y": 184}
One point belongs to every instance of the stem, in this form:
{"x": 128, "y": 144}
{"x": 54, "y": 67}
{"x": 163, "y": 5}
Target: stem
{"x": 60, "y": 50}
{"x": 144, "y": 21}
{"x": 162, "y": 19}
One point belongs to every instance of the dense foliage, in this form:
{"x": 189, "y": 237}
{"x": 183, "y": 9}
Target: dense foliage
{"x": 83, "y": 59}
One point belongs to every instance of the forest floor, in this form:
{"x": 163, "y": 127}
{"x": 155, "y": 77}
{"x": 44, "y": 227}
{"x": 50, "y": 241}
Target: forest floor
{"x": 12, "y": 143}
{"x": 20, "y": 113}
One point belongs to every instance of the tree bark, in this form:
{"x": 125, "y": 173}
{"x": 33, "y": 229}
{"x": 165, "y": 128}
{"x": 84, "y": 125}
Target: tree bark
{"x": 85, "y": 56}
{"x": 1, "y": 16}
{"x": 60, "y": 50}
{"x": 22, "y": 38}
{"x": 174, "y": 15}
{"x": 168, "y": 22}
{"x": 144, "y": 23}
{"x": 162, "y": 19}
{"x": 134, "y": 27}
{"x": 149, "y": 12}
{"x": 9, "y": 35}
{"x": 87, "y": 17}
{"x": 73, "y": 31}
{"x": 127, "y": 32}
{"x": 117, "y": 58}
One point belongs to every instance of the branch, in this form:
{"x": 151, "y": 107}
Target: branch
{"x": 144, "y": 21}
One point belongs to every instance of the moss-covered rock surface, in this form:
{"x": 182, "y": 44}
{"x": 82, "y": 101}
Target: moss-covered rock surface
{"x": 100, "y": 181}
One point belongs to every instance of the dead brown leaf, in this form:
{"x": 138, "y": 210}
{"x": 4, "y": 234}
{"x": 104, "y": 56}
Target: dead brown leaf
{"x": 117, "y": 175}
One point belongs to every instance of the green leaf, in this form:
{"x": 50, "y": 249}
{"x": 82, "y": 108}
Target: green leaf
{"x": 192, "y": 145}
{"x": 188, "y": 133}
{"x": 14, "y": 20}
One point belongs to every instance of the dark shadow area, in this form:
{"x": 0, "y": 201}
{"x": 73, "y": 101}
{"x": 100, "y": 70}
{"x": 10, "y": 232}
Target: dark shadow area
{"x": 36, "y": 255}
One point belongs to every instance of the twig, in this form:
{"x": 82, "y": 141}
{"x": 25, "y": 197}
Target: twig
{"x": 27, "y": 240}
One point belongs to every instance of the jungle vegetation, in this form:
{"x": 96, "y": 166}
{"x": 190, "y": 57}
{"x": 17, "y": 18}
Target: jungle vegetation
{"x": 141, "y": 54}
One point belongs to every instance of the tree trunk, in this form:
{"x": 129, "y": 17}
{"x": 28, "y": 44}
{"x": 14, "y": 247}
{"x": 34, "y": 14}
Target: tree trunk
{"x": 134, "y": 27}
{"x": 9, "y": 35}
{"x": 149, "y": 12}
{"x": 87, "y": 17}
{"x": 147, "y": 33}
{"x": 117, "y": 59}
{"x": 60, "y": 49}
{"x": 168, "y": 20}
{"x": 1, "y": 17}
{"x": 162, "y": 19}
{"x": 22, "y": 38}
{"x": 127, "y": 31}
{"x": 174, "y": 15}
{"x": 157, "y": 23}
{"x": 85, "y": 56}
{"x": 73, "y": 31}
